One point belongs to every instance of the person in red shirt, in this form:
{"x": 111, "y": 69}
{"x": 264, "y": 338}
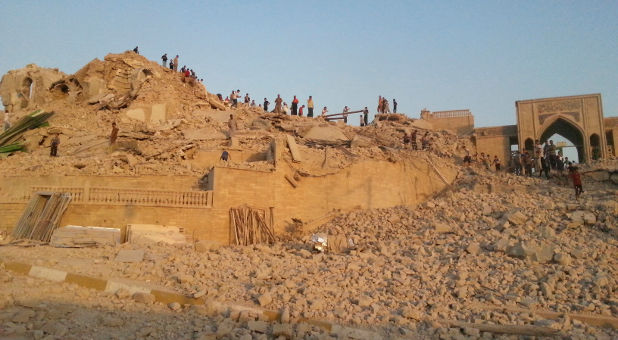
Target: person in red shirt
{"x": 577, "y": 181}
{"x": 300, "y": 110}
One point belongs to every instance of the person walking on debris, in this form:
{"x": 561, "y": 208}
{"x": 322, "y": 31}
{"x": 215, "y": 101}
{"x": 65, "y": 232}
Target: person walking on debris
{"x": 164, "y": 60}
{"x": 136, "y": 50}
{"x": 225, "y": 156}
{"x": 467, "y": 161}
{"x": 176, "y": 63}
{"x": 278, "y": 102}
{"x": 294, "y": 106}
{"x": 310, "y": 107}
{"x": 114, "y": 134}
{"x": 266, "y": 102}
{"x": 577, "y": 181}
{"x": 496, "y": 163}
{"x": 54, "y": 145}
{"x": 366, "y": 116}
{"x": 544, "y": 167}
{"x": 394, "y": 105}
{"x": 231, "y": 124}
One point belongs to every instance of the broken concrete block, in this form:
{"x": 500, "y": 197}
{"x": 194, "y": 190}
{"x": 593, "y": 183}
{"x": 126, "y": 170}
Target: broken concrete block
{"x": 296, "y": 156}
{"x": 283, "y": 329}
{"x": 473, "y": 248}
{"x": 258, "y": 326}
{"x": 517, "y": 218}
{"x": 442, "y": 228}
{"x": 129, "y": 255}
{"x": 265, "y": 299}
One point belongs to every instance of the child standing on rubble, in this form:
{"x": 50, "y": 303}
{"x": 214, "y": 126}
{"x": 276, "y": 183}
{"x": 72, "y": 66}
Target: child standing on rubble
{"x": 577, "y": 181}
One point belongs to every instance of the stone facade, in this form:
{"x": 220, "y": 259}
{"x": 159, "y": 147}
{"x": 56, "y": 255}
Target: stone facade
{"x": 577, "y": 118}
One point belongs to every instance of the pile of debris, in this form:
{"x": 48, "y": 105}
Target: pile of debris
{"x": 491, "y": 243}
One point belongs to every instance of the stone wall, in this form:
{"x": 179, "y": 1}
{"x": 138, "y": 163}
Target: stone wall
{"x": 368, "y": 184}
{"x": 460, "y": 122}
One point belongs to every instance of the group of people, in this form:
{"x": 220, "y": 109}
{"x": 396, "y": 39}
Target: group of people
{"x": 383, "y": 105}
{"x": 412, "y": 139}
{"x": 187, "y": 73}
{"x": 484, "y": 159}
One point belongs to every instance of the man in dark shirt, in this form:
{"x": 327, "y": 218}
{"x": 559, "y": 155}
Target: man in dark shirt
{"x": 54, "y": 145}
{"x": 394, "y": 106}
{"x": 266, "y": 102}
{"x": 114, "y": 134}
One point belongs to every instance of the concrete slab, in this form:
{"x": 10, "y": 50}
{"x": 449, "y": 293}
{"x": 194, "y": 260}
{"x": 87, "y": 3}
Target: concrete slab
{"x": 129, "y": 255}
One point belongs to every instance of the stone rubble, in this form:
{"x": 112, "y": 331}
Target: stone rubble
{"x": 408, "y": 267}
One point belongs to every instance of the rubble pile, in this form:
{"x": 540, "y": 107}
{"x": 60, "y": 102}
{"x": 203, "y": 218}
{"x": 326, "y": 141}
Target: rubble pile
{"x": 497, "y": 240}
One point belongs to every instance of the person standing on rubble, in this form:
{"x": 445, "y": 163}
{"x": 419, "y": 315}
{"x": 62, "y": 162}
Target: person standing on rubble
{"x": 164, "y": 60}
{"x": 266, "y": 102}
{"x": 394, "y": 106}
{"x": 310, "y": 107}
{"x": 324, "y": 111}
{"x": 366, "y": 116}
{"x": 234, "y": 99}
{"x": 386, "y": 106}
{"x": 114, "y": 134}
{"x": 278, "y": 102}
{"x": 294, "y": 106}
{"x": 577, "y": 181}
{"x": 136, "y": 50}
{"x": 496, "y": 163}
{"x": 413, "y": 140}
{"x": 286, "y": 109}
{"x": 300, "y": 110}
{"x": 54, "y": 145}
{"x": 231, "y": 124}
{"x": 176, "y": 63}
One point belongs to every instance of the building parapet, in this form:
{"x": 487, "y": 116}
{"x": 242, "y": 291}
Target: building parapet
{"x": 120, "y": 196}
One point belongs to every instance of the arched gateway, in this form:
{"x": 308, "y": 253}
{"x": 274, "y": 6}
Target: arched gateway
{"x": 577, "y": 118}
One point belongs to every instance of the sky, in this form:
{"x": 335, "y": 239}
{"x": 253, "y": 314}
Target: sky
{"x": 439, "y": 55}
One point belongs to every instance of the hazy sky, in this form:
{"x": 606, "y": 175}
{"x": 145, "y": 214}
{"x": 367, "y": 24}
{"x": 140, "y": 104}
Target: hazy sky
{"x": 439, "y": 55}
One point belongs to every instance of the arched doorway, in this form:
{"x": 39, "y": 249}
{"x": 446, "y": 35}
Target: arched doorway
{"x": 595, "y": 146}
{"x": 567, "y": 130}
{"x": 529, "y": 145}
